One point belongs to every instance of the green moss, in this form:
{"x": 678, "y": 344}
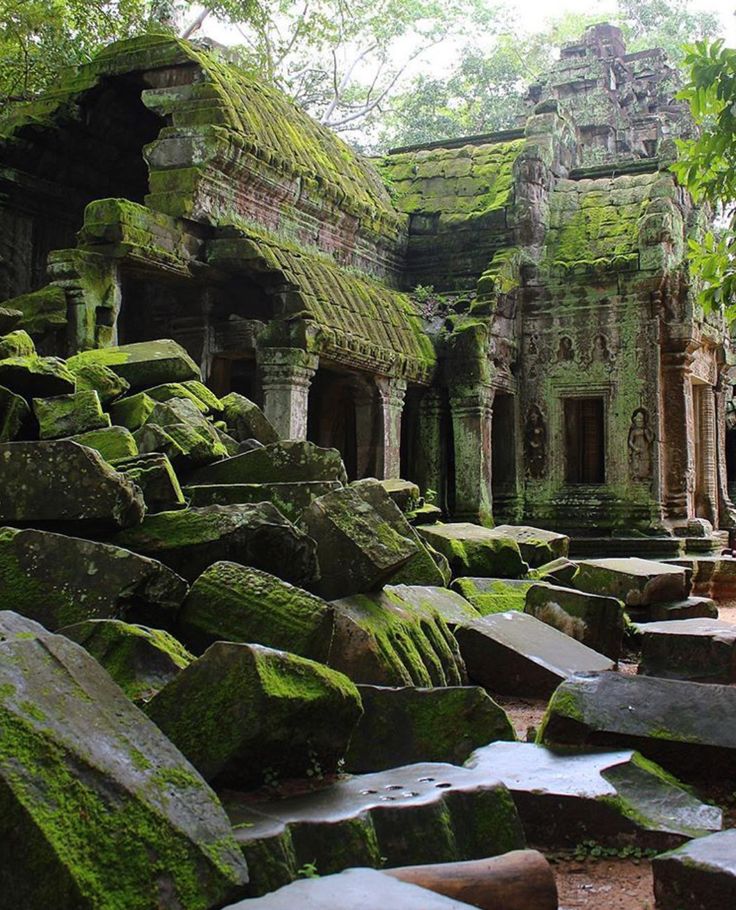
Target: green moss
{"x": 563, "y": 704}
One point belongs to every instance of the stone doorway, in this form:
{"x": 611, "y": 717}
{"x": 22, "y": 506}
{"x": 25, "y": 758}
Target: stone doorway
{"x": 584, "y": 441}
{"x": 503, "y": 456}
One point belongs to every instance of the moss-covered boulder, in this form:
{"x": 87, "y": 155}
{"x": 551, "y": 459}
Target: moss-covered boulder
{"x": 69, "y": 415}
{"x": 96, "y": 376}
{"x": 282, "y": 462}
{"x": 358, "y": 549}
{"x": 475, "y": 550}
{"x": 493, "y": 595}
{"x": 43, "y": 311}
{"x": 403, "y": 725}
{"x": 97, "y": 807}
{"x": 243, "y": 713}
{"x": 200, "y": 396}
{"x": 9, "y": 319}
{"x": 537, "y": 545}
{"x": 15, "y": 415}
{"x": 637, "y": 582}
{"x": 451, "y": 606}
{"x": 132, "y": 412}
{"x": 16, "y": 344}
{"x": 140, "y": 660}
{"x": 384, "y": 640}
{"x": 186, "y": 446}
{"x": 191, "y": 540}
{"x": 404, "y": 493}
{"x": 62, "y": 483}
{"x": 113, "y": 443}
{"x": 245, "y": 420}
{"x": 291, "y": 499}
{"x": 144, "y": 364}
{"x": 59, "y": 580}
{"x": 36, "y": 377}
{"x": 155, "y": 476}
{"x": 596, "y": 621}
{"x": 699, "y": 875}
{"x": 231, "y": 602}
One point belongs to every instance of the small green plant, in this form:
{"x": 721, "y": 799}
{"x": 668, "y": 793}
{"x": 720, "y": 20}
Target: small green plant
{"x": 308, "y": 870}
{"x": 590, "y": 849}
{"x": 314, "y": 768}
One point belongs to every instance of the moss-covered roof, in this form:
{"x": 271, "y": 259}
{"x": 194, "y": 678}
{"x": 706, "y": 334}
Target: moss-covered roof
{"x": 356, "y": 320}
{"x": 222, "y": 95}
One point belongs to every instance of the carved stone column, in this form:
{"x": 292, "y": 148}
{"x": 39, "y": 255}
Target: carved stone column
{"x": 391, "y": 394}
{"x": 286, "y": 374}
{"x": 726, "y": 511}
{"x": 678, "y": 427}
{"x": 429, "y": 466}
{"x": 472, "y": 412}
{"x": 708, "y": 489}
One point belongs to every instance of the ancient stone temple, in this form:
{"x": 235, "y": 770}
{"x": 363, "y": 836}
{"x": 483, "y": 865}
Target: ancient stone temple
{"x": 506, "y": 319}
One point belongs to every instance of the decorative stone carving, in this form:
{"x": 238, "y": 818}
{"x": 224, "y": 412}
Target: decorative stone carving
{"x": 565, "y": 350}
{"x": 601, "y": 353}
{"x": 641, "y": 439}
{"x": 535, "y": 442}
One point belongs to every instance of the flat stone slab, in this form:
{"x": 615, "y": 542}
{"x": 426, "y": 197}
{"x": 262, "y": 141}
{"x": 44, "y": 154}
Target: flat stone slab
{"x": 610, "y": 797}
{"x": 143, "y": 364}
{"x": 689, "y": 728}
{"x": 494, "y": 595}
{"x": 596, "y": 621}
{"x": 690, "y": 608}
{"x": 701, "y": 650}
{"x": 537, "y": 545}
{"x": 515, "y": 654}
{"x": 421, "y": 813}
{"x": 354, "y": 889}
{"x": 475, "y": 550}
{"x": 451, "y": 606}
{"x": 291, "y": 499}
{"x": 637, "y": 582}
{"x": 701, "y": 875}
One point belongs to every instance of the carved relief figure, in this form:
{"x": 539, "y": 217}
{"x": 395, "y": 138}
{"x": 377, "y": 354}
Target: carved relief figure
{"x": 601, "y": 352}
{"x": 565, "y": 351}
{"x": 535, "y": 440}
{"x": 641, "y": 439}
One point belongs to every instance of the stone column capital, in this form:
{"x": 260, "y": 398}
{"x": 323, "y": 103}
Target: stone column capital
{"x": 282, "y": 367}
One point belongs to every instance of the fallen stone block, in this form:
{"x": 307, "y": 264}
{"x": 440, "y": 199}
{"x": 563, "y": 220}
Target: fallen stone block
{"x": 516, "y": 654}
{"x": 155, "y": 476}
{"x": 613, "y": 798}
{"x": 700, "y": 875}
{"x": 144, "y": 364}
{"x": 422, "y": 813}
{"x": 230, "y": 602}
{"x": 113, "y": 443}
{"x": 596, "y": 621}
{"x": 475, "y": 550}
{"x": 205, "y": 401}
{"x": 99, "y": 378}
{"x": 244, "y": 714}
{"x": 690, "y": 608}
{"x": 385, "y": 640}
{"x": 537, "y": 546}
{"x": 289, "y": 461}
{"x": 132, "y": 412}
{"x": 669, "y": 721}
{"x": 74, "y": 749}
{"x": 185, "y": 445}
{"x": 140, "y": 660}
{"x": 493, "y": 595}
{"x": 9, "y": 318}
{"x": 637, "y": 582}
{"x": 245, "y": 420}
{"x": 700, "y": 650}
{"x": 451, "y": 606}
{"x": 59, "y": 580}
{"x": 557, "y": 572}
{"x": 403, "y": 725}
{"x": 354, "y": 889}
{"x": 15, "y": 415}
{"x": 68, "y": 415}
{"x": 403, "y": 493}
{"x": 191, "y": 540}
{"x": 36, "y": 377}
{"x": 712, "y": 576}
{"x": 16, "y": 344}
{"x": 357, "y": 549}
{"x": 291, "y": 499}
{"x": 59, "y": 482}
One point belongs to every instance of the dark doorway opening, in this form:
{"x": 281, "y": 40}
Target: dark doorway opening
{"x": 585, "y": 440}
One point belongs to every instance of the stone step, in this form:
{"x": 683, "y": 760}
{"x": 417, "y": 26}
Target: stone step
{"x": 421, "y": 813}
{"x": 699, "y": 650}
{"x": 674, "y": 723}
{"x": 700, "y": 875}
{"x": 613, "y": 798}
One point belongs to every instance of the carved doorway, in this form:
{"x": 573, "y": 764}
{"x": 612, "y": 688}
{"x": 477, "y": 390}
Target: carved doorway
{"x": 585, "y": 451}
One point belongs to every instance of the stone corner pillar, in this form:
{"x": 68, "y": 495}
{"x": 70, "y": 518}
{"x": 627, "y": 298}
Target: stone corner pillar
{"x": 391, "y": 395}
{"x": 286, "y": 374}
{"x": 471, "y": 408}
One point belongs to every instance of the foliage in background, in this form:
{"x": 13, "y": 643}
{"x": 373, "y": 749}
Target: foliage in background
{"x": 707, "y": 166}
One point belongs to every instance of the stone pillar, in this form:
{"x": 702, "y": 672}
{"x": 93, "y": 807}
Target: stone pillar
{"x": 726, "y": 511}
{"x": 708, "y": 493}
{"x": 678, "y": 430}
{"x": 429, "y": 458}
{"x": 391, "y": 394}
{"x": 286, "y": 374}
{"x": 472, "y": 411}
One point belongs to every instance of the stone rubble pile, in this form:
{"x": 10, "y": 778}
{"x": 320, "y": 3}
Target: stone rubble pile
{"x": 222, "y": 664}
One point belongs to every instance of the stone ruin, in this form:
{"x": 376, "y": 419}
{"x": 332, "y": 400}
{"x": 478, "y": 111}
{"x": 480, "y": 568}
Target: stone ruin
{"x": 310, "y": 464}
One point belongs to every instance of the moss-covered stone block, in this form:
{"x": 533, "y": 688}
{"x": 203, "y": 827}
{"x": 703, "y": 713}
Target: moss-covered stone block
{"x": 144, "y": 364}
{"x": 493, "y": 595}
{"x": 169, "y": 390}
{"x": 231, "y": 602}
{"x": 74, "y": 749}
{"x": 140, "y": 660}
{"x": 15, "y": 415}
{"x": 537, "y": 545}
{"x": 132, "y": 412}
{"x": 475, "y": 550}
{"x": 69, "y": 415}
{"x": 245, "y": 420}
{"x": 113, "y": 443}
{"x": 43, "y": 311}
{"x": 291, "y": 499}
{"x": 100, "y": 378}
{"x": 16, "y": 344}
{"x": 155, "y": 476}
{"x": 36, "y": 377}
{"x": 242, "y": 712}
{"x": 290, "y": 461}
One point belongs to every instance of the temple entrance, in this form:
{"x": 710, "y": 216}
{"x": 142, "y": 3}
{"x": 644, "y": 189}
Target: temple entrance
{"x": 503, "y": 455}
{"x": 584, "y": 441}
